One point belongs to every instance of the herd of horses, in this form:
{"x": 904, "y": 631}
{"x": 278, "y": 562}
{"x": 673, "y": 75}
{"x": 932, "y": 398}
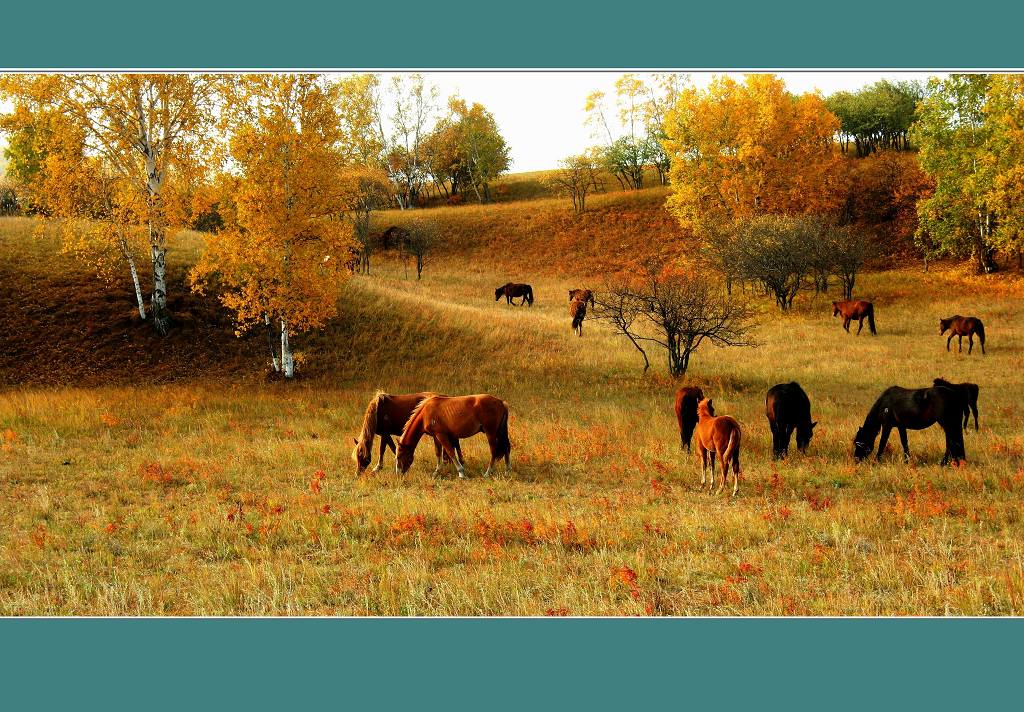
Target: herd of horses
{"x": 450, "y": 419}
{"x": 854, "y": 309}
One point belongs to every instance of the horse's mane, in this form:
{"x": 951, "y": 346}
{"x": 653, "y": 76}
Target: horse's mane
{"x": 943, "y": 382}
{"x": 369, "y": 428}
{"x": 415, "y": 412}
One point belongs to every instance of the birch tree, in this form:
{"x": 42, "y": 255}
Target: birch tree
{"x": 413, "y": 106}
{"x": 152, "y": 133}
{"x": 279, "y": 263}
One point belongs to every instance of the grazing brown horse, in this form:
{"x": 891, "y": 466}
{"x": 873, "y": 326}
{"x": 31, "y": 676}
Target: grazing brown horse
{"x": 687, "y": 399}
{"x": 448, "y": 419}
{"x": 583, "y": 295}
{"x": 718, "y": 435}
{"x": 858, "y": 310}
{"x": 578, "y": 312}
{"x": 969, "y": 393}
{"x": 386, "y": 415}
{"x": 963, "y": 326}
{"x": 511, "y": 290}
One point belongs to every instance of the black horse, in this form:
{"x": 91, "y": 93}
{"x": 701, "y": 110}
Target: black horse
{"x": 969, "y": 392}
{"x": 511, "y": 290}
{"x": 913, "y": 409}
{"x": 788, "y": 408}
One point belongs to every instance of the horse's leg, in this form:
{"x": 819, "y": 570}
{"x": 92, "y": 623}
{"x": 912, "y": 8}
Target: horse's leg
{"x": 439, "y": 454}
{"x": 711, "y": 467}
{"x": 787, "y": 434}
{"x": 860, "y": 325}
{"x": 451, "y": 452}
{"x": 886, "y": 429}
{"x": 846, "y": 323}
{"x": 703, "y": 463}
{"x": 970, "y": 343}
{"x": 949, "y": 340}
{"x": 385, "y": 443}
{"x": 776, "y": 445}
{"x": 960, "y": 340}
{"x": 725, "y": 472}
{"x": 903, "y": 442}
{"x": 492, "y": 442}
{"x": 736, "y": 472}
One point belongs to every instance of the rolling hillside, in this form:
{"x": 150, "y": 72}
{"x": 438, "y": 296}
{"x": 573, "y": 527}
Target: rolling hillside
{"x": 153, "y": 476}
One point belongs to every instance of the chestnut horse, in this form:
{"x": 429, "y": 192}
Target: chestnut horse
{"x": 687, "y": 399}
{"x": 386, "y": 415}
{"x": 511, "y": 289}
{"x": 788, "y": 408}
{"x": 856, "y": 310}
{"x": 578, "y": 312}
{"x": 913, "y": 409}
{"x": 718, "y": 435}
{"x": 448, "y": 419}
{"x": 583, "y": 295}
{"x": 967, "y": 391}
{"x": 963, "y": 326}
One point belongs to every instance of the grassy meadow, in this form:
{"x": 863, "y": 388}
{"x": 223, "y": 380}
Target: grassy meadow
{"x": 143, "y": 476}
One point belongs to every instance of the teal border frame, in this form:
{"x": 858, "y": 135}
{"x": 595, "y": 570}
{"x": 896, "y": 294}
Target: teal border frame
{"x": 515, "y": 664}
{"x": 528, "y": 34}
{"x": 229, "y": 664}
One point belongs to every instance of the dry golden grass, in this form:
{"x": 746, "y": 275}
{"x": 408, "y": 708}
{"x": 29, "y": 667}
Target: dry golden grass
{"x": 218, "y": 492}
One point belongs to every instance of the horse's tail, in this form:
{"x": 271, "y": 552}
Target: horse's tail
{"x": 502, "y": 435}
{"x": 980, "y": 331}
{"x": 871, "y": 319}
{"x": 529, "y": 295}
{"x": 732, "y": 450}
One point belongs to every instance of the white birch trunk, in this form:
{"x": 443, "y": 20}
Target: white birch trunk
{"x": 161, "y": 319}
{"x": 138, "y": 287}
{"x": 130, "y": 259}
{"x": 157, "y": 232}
{"x": 287, "y": 361}
{"x": 270, "y": 343}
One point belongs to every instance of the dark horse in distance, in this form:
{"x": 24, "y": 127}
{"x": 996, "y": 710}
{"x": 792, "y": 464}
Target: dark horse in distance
{"x": 963, "y": 326}
{"x": 858, "y": 310}
{"x": 583, "y": 295}
{"x": 969, "y": 392}
{"x": 913, "y": 409}
{"x": 686, "y": 413}
{"x": 578, "y": 312}
{"x": 512, "y": 290}
{"x": 788, "y": 408}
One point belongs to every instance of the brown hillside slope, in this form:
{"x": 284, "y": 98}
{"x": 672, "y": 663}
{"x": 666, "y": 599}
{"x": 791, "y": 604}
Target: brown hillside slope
{"x": 545, "y": 236}
{"x": 60, "y": 324}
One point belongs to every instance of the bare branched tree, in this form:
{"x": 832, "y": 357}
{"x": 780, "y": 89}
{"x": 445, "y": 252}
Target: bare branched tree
{"x": 850, "y": 249}
{"x": 576, "y": 176}
{"x": 419, "y": 242}
{"x": 676, "y": 311}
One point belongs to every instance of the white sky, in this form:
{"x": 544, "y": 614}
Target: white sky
{"x": 541, "y": 115}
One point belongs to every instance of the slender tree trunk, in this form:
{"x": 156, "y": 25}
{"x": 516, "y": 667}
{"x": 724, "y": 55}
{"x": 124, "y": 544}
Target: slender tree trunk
{"x": 287, "y": 360}
{"x": 161, "y": 317}
{"x": 135, "y": 277}
{"x": 270, "y": 343}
